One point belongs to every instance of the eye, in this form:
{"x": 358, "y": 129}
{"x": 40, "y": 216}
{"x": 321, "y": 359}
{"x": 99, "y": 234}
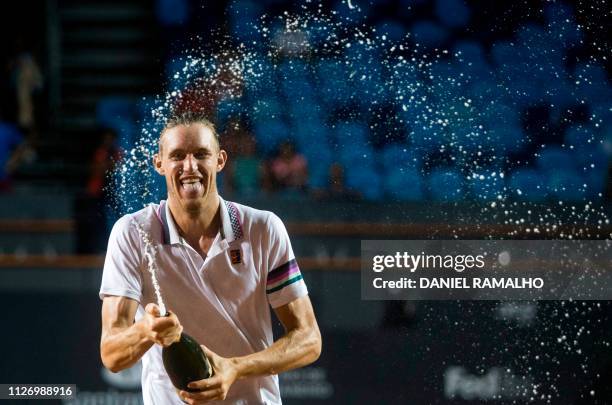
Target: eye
{"x": 177, "y": 157}
{"x": 201, "y": 155}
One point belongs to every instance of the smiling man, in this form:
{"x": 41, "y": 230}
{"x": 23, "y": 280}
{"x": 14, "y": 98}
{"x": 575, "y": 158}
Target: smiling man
{"x": 221, "y": 266}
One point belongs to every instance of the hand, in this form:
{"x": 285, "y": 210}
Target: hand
{"x": 215, "y": 388}
{"x": 163, "y": 330}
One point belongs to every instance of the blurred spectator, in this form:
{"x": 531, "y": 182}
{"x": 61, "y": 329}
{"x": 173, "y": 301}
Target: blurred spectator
{"x": 91, "y": 208}
{"x": 289, "y": 169}
{"x": 12, "y": 150}
{"x": 244, "y": 168}
{"x": 247, "y": 168}
{"x": 28, "y": 80}
{"x": 103, "y": 161}
{"x": 337, "y": 188}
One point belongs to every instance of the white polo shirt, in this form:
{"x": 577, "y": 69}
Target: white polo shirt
{"x": 223, "y": 301}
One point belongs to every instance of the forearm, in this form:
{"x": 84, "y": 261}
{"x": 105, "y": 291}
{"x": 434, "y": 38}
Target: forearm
{"x": 297, "y": 348}
{"x": 121, "y": 348}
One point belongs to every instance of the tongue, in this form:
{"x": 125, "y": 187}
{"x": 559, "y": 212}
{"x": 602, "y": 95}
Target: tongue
{"x": 192, "y": 188}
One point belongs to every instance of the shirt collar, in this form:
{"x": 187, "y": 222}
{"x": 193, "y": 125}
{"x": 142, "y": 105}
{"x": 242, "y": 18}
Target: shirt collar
{"x": 231, "y": 225}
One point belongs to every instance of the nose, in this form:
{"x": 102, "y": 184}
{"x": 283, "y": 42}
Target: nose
{"x": 190, "y": 164}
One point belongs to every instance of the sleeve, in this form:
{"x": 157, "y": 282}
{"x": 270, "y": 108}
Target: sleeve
{"x": 122, "y": 275}
{"x": 284, "y": 282}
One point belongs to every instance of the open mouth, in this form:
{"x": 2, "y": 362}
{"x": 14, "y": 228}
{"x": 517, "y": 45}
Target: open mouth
{"x": 191, "y": 184}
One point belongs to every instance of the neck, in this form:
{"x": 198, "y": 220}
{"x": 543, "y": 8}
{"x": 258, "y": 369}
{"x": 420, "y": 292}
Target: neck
{"x": 201, "y": 221}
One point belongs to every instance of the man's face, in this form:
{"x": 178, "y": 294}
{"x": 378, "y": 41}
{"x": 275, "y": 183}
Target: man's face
{"x": 189, "y": 159}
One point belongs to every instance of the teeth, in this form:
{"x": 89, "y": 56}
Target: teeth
{"x": 190, "y": 181}
{"x": 192, "y": 186}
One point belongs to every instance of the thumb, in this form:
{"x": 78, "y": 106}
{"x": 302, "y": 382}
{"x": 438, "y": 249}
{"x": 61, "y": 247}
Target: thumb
{"x": 152, "y": 309}
{"x": 209, "y": 354}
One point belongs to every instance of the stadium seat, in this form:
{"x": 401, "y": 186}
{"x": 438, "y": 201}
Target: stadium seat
{"x": 350, "y": 133}
{"x": 553, "y": 158}
{"x": 319, "y": 160}
{"x": 567, "y": 185}
{"x": 109, "y": 109}
{"x": 400, "y": 156}
{"x": 445, "y": 184}
{"x": 393, "y": 31}
{"x": 429, "y": 34}
{"x": 528, "y": 185}
{"x": 244, "y": 19}
{"x": 366, "y": 180}
{"x": 228, "y": 108}
{"x": 269, "y": 134}
{"x": 561, "y": 24}
{"x": 403, "y": 184}
{"x": 352, "y": 12}
{"x": 487, "y": 184}
{"x": 452, "y": 13}
{"x": 172, "y": 12}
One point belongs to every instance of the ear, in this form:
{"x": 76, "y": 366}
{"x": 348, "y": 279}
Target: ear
{"x": 157, "y": 164}
{"x": 221, "y": 159}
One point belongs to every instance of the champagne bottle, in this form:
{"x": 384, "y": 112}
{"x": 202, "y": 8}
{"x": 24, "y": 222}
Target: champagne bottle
{"x": 185, "y": 362}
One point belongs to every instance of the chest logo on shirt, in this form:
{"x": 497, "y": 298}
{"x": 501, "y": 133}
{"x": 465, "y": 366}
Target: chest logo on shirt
{"x": 236, "y": 256}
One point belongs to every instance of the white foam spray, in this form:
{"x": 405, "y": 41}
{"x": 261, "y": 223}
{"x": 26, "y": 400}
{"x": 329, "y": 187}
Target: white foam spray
{"x": 150, "y": 256}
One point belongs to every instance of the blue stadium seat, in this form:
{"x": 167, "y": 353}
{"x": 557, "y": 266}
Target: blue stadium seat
{"x": 453, "y": 13}
{"x": 319, "y": 160}
{"x": 244, "y": 20}
{"x": 394, "y": 31}
{"x": 429, "y": 34}
{"x": 356, "y": 154}
{"x": 359, "y": 11}
{"x": 591, "y": 157}
{"x": 332, "y": 81}
{"x": 553, "y": 158}
{"x": 145, "y": 107}
{"x": 528, "y": 185}
{"x": 424, "y": 138}
{"x": 597, "y": 181}
{"x": 592, "y": 83}
{"x": 487, "y": 184}
{"x": 403, "y": 184}
{"x": 319, "y": 31}
{"x": 109, "y": 109}
{"x": 350, "y": 133}
{"x": 580, "y": 135}
{"x": 399, "y": 156}
{"x": 310, "y": 133}
{"x": 445, "y": 184}
{"x": 562, "y": 25}
{"x": 567, "y": 185}
{"x": 172, "y": 12}
{"x": 266, "y": 109}
{"x": 270, "y": 134}
{"x": 406, "y": 7}
{"x": 227, "y": 109}
{"x": 175, "y": 76}
{"x": 366, "y": 180}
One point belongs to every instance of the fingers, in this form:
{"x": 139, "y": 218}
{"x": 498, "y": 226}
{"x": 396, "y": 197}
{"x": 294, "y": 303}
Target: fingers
{"x": 206, "y": 384}
{"x": 211, "y": 394}
{"x": 152, "y": 309}
{"x": 163, "y": 330}
{"x": 212, "y": 356}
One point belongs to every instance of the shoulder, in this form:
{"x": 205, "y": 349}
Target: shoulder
{"x": 254, "y": 219}
{"x": 143, "y": 220}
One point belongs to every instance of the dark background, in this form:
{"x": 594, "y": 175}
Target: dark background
{"x": 98, "y": 60}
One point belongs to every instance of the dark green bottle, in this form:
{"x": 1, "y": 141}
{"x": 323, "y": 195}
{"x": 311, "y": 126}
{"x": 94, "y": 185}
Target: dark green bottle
{"x": 185, "y": 362}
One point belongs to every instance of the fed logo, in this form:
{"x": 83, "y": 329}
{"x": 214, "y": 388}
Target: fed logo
{"x": 497, "y": 383}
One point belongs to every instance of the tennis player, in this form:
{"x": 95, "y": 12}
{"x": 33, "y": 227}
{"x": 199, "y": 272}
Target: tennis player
{"x": 220, "y": 266}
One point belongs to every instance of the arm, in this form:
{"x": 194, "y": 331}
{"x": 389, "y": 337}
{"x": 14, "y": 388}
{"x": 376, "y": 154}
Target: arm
{"x": 298, "y": 347}
{"x": 124, "y": 341}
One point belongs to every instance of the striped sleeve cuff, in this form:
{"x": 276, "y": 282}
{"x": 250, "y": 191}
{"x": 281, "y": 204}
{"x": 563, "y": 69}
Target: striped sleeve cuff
{"x": 283, "y": 276}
